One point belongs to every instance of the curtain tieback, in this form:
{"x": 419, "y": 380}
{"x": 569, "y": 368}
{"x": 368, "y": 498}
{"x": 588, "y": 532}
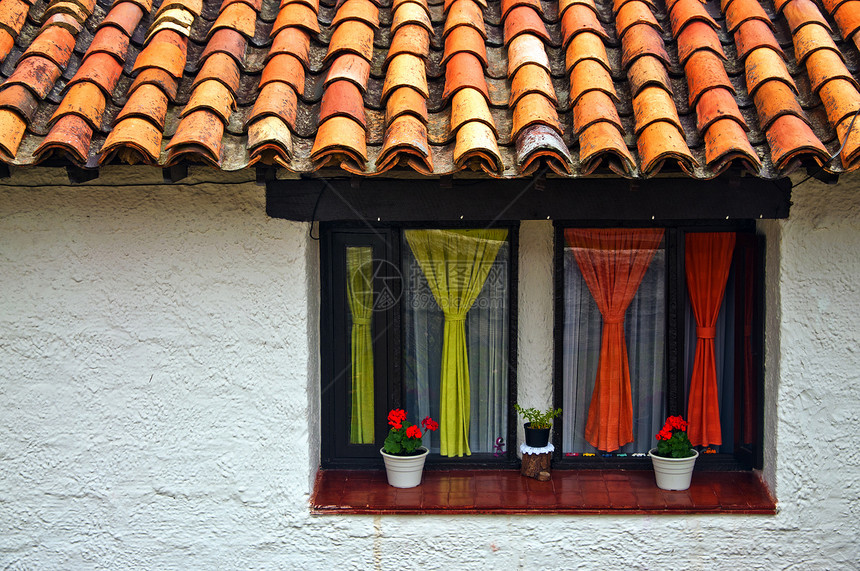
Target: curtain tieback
{"x": 361, "y": 320}
{"x": 706, "y": 332}
{"x": 455, "y": 317}
{"x": 617, "y": 320}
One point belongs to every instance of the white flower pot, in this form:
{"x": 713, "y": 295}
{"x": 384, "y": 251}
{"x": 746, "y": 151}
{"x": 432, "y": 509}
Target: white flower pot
{"x": 672, "y": 473}
{"x": 404, "y": 471}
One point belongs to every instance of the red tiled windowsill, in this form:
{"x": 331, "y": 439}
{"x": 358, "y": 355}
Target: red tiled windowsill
{"x": 508, "y": 492}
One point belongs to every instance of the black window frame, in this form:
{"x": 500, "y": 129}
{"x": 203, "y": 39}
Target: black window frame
{"x": 742, "y": 458}
{"x": 336, "y": 453}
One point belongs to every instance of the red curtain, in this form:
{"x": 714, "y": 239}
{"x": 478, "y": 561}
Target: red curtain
{"x": 613, "y": 263}
{"x": 708, "y": 258}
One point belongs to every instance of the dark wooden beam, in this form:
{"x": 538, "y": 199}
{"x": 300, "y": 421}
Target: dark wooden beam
{"x": 374, "y": 199}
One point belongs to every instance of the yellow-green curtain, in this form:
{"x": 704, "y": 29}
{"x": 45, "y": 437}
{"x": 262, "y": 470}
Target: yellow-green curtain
{"x": 359, "y": 293}
{"x": 456, "y": 264}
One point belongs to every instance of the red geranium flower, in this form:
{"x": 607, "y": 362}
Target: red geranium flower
{"x": 396, "y": 417}
{"x": 413, "y": 432}
{"x": 430, "y": 424}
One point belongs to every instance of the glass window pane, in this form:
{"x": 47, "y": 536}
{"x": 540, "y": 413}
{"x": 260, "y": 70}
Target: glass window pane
{"x": 644, "y": 327}
{"x": 360, "y": 300}
{"x": 486, "y": 338}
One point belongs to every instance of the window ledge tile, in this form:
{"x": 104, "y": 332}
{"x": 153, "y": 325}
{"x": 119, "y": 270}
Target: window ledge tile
{"x": 508, "y": 492}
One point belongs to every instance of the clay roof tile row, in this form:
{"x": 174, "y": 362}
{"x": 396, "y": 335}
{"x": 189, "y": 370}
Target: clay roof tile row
{"x": 509, "y": 88}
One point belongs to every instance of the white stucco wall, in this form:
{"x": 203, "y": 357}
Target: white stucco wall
{"x": 159, "y": 390}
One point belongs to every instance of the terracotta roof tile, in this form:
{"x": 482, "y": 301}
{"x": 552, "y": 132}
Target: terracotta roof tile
{"x": 464, "y": 70}
{"x": 411, "y": 14}
{"x": 654, "y": 104}
{"x": 705, "y": 71}
{"x": 576, "y": 87}
{"x": 340, "y": 140}
{"x": 689, "y": 11}
{"x": 526, "y": 49}
{"x": 13, "y": 14}
{"x": 225, "y": 41}
{"x": 19, "y": 99}
{"x": 799, "y": 13}
{"x": 148, "y": 102}
{"x": 102, "y": 69}
{"x": 789, "y": 138}
{"x": 763, "y": 65}
{"x": 847, "y": 18}
{"x": 223, "y": 68}
{"x": 55, "y": 44}
{"x": 470, "y": 105}
{"x": 294, "y": 41}
{"x": 840, "y": 98}
{"x": 70, "y": 135}
{"x": 698, "y": 36}
{"x": 535, "y": 79}
{"x": 754, "y": 34}
{"x": 633, "y": 13}
{"x": 407, "y": 101}
{"x": 580, "y": 18}
{"x": 296, "y": 15}
{"x": 415, "y": 40}
{"x": 464, "y": 13}
{"x": 815, "y": 48}
{"x": 740, "y": 11}
{"x": 405, "y": 70}
{"x": 351, "y": 68}
{"x": 585, "y": 46}
{"x": 775, "y": 99}
{"x": 85, "y": 100}
{"x": 343, "y": 98}
{"x": 508, "y": 5}
{"x": 7, "y": 42}
{"x": 166, "y": 51}
{"x": 363, "y": 11}
{"x": 595, "y": 107}
{"x": 37, "y": 74}
{"x": 533, "y": 109}
{"x": 133, "y": 140}
{"x": 727, "y": 142}
{"x": 525, "y": 20}
{"x": 406, "y": 140}
{"x": 12, "y": 127}
{"x": 718, "y": 103}
{"x": 239, "y": 17}
{"x": 602, "y": 142}
{"x": 158, "y": 77}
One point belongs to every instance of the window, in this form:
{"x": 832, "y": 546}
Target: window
{"x": 652, "y": 322}
{"x": 421, "y": 319}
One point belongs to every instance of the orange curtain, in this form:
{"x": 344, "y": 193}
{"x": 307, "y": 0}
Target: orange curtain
{"x": 613, "y": 263}
{"x": 708, "y": 258}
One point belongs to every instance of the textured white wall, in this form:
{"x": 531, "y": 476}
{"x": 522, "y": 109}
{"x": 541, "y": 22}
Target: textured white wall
{"x": 158, "y": 370}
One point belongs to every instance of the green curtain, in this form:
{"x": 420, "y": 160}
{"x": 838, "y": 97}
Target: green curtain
{"x": 456, "y": 264}
{"x": 359, "y": 293}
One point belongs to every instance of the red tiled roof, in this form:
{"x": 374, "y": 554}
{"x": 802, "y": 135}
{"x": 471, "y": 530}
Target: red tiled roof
{"x": 632, "y": 87}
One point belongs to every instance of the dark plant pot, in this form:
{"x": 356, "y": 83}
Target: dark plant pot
{"x": 536, "y": 437}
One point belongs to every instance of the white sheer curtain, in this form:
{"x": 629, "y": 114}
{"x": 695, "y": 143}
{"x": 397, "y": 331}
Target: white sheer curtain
{"x": 487, "y": 342}
{"x": 644, "y": 330}
{"x": 724, "y": 349}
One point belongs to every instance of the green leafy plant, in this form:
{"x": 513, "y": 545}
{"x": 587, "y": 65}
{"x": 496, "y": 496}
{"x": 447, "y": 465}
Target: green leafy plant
{"x": 537, "y": 418}
{"x": 404, "y": 438}
{"x": 672, "y": 441}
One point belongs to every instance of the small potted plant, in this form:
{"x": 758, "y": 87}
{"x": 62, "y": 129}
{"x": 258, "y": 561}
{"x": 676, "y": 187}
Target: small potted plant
{"x": 674, "y": 457}
{"x": 538, "y": 425}
{"x": 402, "y": 451}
